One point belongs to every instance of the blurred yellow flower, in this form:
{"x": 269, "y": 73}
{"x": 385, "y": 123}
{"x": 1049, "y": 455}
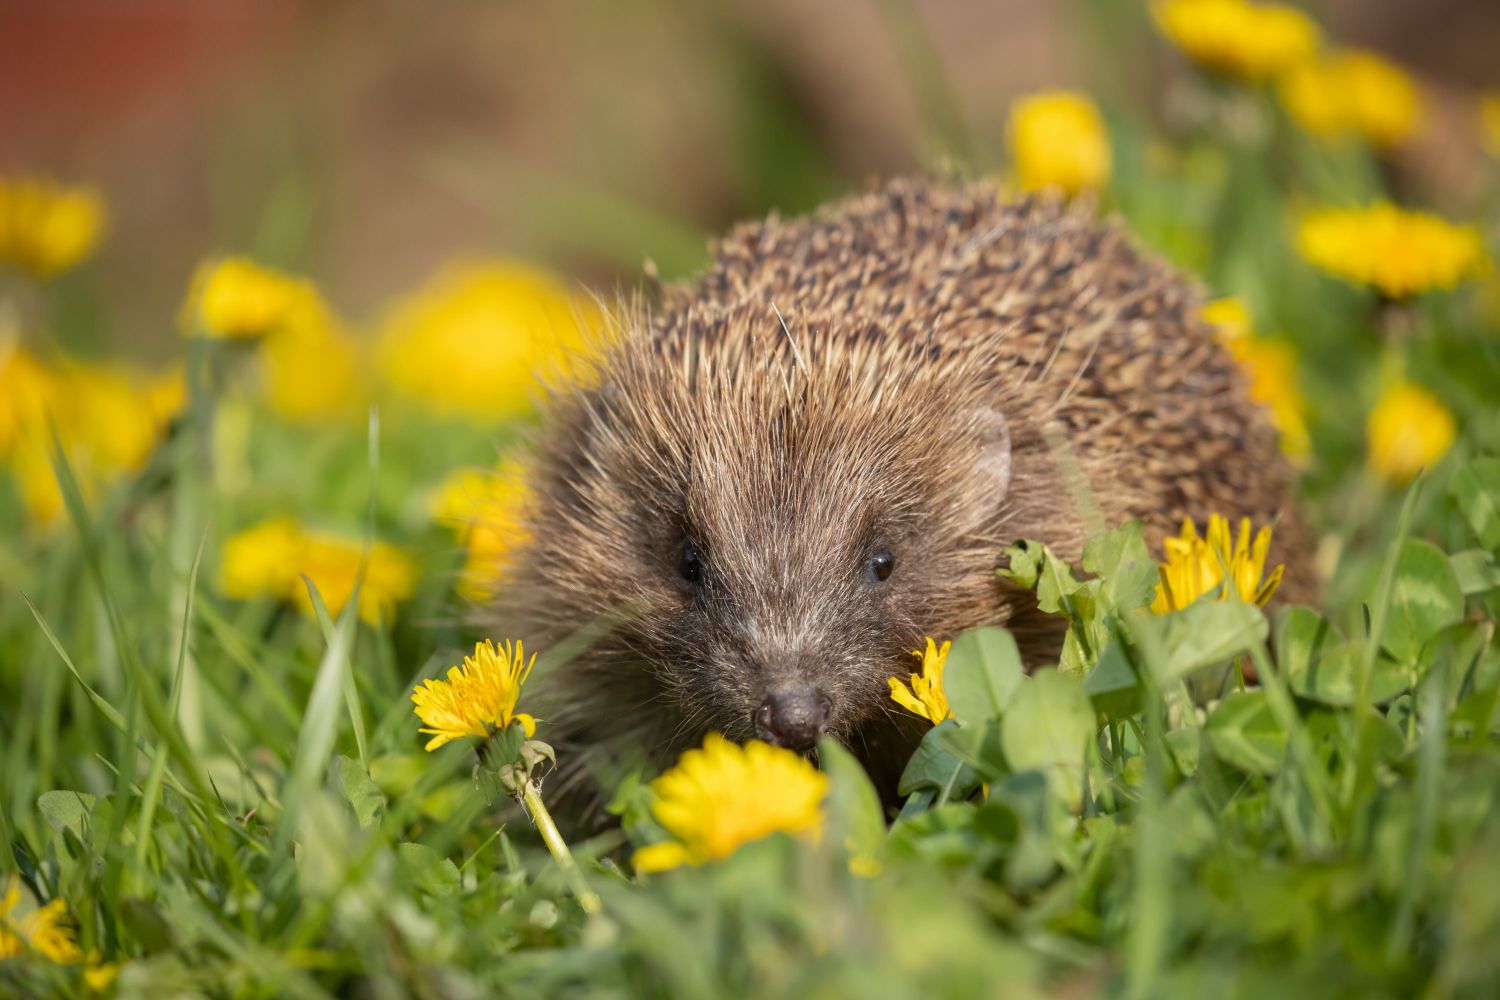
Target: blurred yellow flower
{"x": 1236, "y": 38}
{"x": 925, "y": 697}
{"x": 1352, "y": 93}
{"x": 477, "y": 697}
{"x": 1058, "y": 140}
{"x": 269, "y": 559}
{"x": 1399, "y": 252}
{"x": 42, "y": 930}
{"x": 237, "y": 298}
{"x": 1408, "y": 430}
{"x": 1270, "y": 366}
{"x": 258, "y": 561}
{"x": 484, "y": 508}
{"x": 1197, "y": 566}
{"x": 311, "y": 367}
{"x": 722, "y": 796}
{"x": 102, "y": 416}
{"x": 1489, "y": 122}
{"x": 46, "y": 228}
{"x": 27, "y": 392}
{"x": 473, "y": 340}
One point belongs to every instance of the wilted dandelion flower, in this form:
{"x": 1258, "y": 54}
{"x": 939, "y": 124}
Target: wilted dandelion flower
{"x": 46, "y": 228}
{"x": 1270, "y": 366}
{"x": 269, "y": 560}
{"x": 1058, "y": 140}
{"x": 1215, "y": 564}
{"x": 476, "y": 698}
{"x": 1399, "y": 252}
{"x": 1352, "y": 93}
{"x": 470, "y": 342}
{"x": 722, "y": 796}
{"x": 484, "y": 508}
{"x": 236, "y": 298}
{"x": 925, "y": 697}
{"x": 1408, "y": 430}
{"x": 1245, "y": 40}
{"x": 42, "y": 930}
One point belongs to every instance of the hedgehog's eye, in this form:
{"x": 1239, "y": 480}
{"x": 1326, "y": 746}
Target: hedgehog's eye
{"x": 881, "y": 565}
{"x": 690, "y": 563}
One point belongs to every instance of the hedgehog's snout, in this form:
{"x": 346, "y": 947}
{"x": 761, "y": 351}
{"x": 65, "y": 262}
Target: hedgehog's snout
{"x": 794, "y": 716}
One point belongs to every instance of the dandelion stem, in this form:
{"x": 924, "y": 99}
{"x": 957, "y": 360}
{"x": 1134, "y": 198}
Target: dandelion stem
{"x": 531, "y": 799}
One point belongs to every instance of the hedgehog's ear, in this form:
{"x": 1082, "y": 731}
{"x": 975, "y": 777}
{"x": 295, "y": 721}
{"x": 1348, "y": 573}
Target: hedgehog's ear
{"x": 993, "y": 461}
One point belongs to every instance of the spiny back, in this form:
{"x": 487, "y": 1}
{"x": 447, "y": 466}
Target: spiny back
{"x": 911, "y": 379}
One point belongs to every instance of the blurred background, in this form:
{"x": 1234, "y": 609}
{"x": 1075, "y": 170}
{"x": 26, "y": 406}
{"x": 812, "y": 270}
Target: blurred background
{"x": 361, "y": 143}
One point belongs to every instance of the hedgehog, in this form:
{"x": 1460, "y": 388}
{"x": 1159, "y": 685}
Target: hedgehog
{"x": 777, "y": 479}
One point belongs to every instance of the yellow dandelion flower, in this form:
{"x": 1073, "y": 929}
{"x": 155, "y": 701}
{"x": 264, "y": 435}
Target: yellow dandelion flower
{"x": 925, "y": 697}
{"x": 477, "y": 697}
{"x": 269, "y": 559}
{"x": 166, "y": 395}
{"x": 1399, "y": 252}
{"x": 42, "y": 930}
{"x": 28, "y": 390}
{"x": 471, "y": 341}
{"x": 722, "y": 796}
{"x": 260, "y": 561}
{"x": 1489, "y": 122}
{"x": 1058, "y": 140}
{"x": 1270, "y": 366}
{"x": 333, "y": 562}
{"x": 102, "y": 418}
{"x": 46, "y": 228}
{"x": 484, "y": 507}
{"x": 236, "y": 298}
{"x": 1408, "y": 430}
{"x": 311, "y": 367}
{"x": 100, "y": 975}
{"x": 1197, "y": 566}
{"x": 1352, "y": 93}
{"x": 1248, "y": 41}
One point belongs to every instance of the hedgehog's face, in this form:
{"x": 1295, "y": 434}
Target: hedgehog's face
{"x": 790, "y": 568}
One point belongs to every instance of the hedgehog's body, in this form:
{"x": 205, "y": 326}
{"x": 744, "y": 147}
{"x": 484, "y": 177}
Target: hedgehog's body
{"x": 791, "y": 471}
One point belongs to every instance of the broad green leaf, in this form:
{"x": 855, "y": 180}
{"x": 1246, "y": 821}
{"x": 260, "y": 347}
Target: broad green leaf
{"x": 361, "y": 792}
{"x": 853, "y": 803}
{"x": 983, "y": 672}
{"x": 1120, "y": 558}
{"x": 1425, "y": 597}
{"x": 1476, "y": 488}
{"x": 1205, "y": 634}
{"x": 1476, "y": 571}
{"x": 977, "y": 746}
{"x": 1333, "y": 678}
{"x": 66, "y": 810}
{"x": 1113, "y": 685}
{"x": 1018, "y": 815}
{"x": 1302, "y": 635}
{"x": 1456, "y": 649}
{"x": 1047, "y": 729}
{"x": 1243, "y": 732}
{"x": 934, "y": 766}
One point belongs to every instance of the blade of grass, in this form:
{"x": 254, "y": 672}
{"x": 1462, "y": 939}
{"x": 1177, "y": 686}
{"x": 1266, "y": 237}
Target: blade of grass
{"x": 152, "y": 790}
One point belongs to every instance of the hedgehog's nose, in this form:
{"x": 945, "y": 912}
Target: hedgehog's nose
{"x": 793, "y": 716}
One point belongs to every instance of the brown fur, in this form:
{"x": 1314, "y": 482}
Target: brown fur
{"x": 828, "y": 388}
